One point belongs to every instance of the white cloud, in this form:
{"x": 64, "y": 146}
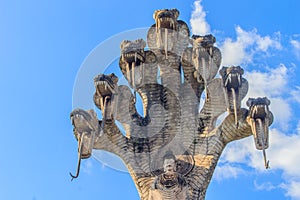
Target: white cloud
{"x": 296, "y": 94}
{"x": 292, "y": 190}
{"x": 239, "y": 152}
{"x": 272, "y": 84}
{"x": 233, "y": 52}
{"x": 282, "y": 111}
{"x": 265, "y": 186}
{"x": 87, "y": 166}
{"x": 198, "y": 22}
{"x": 296, "y": 46}
{"x": 246, "y": 45}
{"x": 283, "y": 154}
{"x": 264, "y": 43}
{"x": 227, "y": 171}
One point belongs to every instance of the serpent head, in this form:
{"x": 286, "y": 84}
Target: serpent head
{"x": 205, "y": 41}
{"x": 106, "y": 85}
{"x": 86, "y": 127}
{"x": 132, "y": 59}
{"x": 106, "y": 88}
{"x": 133, "y": 51}
{"x": 85, "y": 124}
{"x": 232, "y": 76}
{"x": 258, "y": 107}
{"x": 166, "y": 18}
{"x": 260, "y": 118}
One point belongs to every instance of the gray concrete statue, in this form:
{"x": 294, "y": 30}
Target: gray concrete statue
{"x": 172, "y": 120}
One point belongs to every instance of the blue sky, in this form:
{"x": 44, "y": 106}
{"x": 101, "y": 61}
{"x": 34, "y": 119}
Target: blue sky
{"x": 43, "y": 44}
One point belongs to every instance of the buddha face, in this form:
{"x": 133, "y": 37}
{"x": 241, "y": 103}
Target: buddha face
{"x": 169, "y": 166}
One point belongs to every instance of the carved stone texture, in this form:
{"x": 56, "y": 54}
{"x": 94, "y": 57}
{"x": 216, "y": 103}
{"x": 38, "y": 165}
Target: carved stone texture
{"x": 172, "y": 122}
